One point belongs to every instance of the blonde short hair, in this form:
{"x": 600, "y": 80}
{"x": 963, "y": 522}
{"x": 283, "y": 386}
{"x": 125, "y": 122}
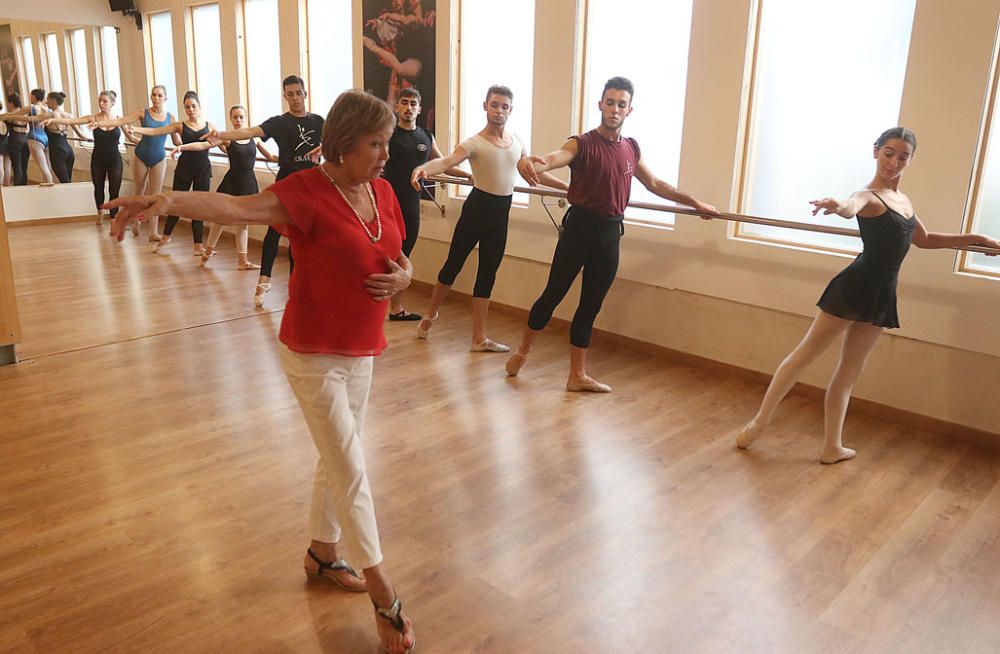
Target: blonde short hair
{"x": 355, "y": 114}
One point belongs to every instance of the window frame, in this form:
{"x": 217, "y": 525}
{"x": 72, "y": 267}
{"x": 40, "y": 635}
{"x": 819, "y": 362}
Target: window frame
{"x": 104, "y": 61}
{"x": 29, "y": 84}
{"x": 48, "y": 61}
{"x": 193, "y": 57}
{"x": 77, "y": 102}
{"x": 987, "y": 131}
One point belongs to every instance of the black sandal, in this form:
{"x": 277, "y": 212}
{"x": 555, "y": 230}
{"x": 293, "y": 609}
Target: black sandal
{"x": 334, "y": 566}
{"x": 405, "y": 316}
{"x": 393, "y": 616}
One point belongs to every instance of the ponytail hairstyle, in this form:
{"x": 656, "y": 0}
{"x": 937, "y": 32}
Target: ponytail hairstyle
{"x": 58, "y": 96}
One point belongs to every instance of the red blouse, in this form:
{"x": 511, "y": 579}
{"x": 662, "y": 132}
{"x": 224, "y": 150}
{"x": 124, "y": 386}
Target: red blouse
{"x": 329, "y": 311}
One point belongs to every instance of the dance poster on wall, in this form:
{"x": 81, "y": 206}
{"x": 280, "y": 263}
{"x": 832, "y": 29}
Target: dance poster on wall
{"x": 8, "y": 63}
{"x": 398, "y": 36}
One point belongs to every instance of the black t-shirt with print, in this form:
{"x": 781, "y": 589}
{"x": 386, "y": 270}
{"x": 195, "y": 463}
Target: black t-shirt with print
{"x": 296, "y": 136}
{"x": 407, "y": 150}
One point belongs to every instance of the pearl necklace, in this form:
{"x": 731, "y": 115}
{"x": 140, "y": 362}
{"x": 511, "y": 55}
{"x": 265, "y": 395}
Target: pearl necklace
{"x": 371, "y": 197}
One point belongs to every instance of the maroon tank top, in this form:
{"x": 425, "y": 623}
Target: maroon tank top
{"x": 602, "y": 172}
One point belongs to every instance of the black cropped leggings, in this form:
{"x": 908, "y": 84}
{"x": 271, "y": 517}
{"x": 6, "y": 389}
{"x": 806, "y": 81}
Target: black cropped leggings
{"x": 106, "y": 169}
{"x": 195, "y": 179}
{"x": 269, "y": 252}
{"x": 483, "y": 221}
{"x": 590, "y": 242}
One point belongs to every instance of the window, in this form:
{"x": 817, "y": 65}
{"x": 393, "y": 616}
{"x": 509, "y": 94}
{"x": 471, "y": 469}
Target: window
{"x": 28, "y": 56}
{"x": 161, "y": 44}
{"x": 984, "y": 202}
{"x": 208, "y": 63}
{"x": 801, "y": 142}
{"x": 81, "y": 73}
{"x": 263, "y": 69}
{"x": 481, "y": 66}
{"x": 51, "y": 48}
{"x": 109, "y": 60}
{"x": 660, "y": 81}
{"x": 329, "y": 42}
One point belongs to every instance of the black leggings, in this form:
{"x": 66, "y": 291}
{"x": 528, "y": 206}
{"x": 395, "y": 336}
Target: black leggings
{"x": 109, "y": 168}
{"x": 17, "y": 150}
{"x": 484, "y": 221}
{"x": 194, "y": 179}
{"x": 588, "y": 241}
{"x": 269, "y": 252}
{"x": 61, "y": 156}
{"x": 411, "y": 219}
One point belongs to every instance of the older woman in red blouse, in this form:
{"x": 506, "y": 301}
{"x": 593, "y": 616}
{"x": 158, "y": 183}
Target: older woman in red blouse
{"x": 346, "y": 228}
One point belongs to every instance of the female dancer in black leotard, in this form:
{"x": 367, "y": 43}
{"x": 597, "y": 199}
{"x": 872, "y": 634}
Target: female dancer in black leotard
{"x": 17, "y": 141}
{"x": 861, "y": 300}
{"x": 106, "y": 159}
{"x": 60, "y": 153}
{"x": 193, "y": 170}
{"x": 239, "y": 180}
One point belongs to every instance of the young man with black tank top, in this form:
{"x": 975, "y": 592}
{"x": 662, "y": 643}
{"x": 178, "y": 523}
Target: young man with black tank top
{"x": 409, "y": 147}
{"x": 297, "y": 133}
{"x": 602, "y": 165}
{"x": 494, "y": 154}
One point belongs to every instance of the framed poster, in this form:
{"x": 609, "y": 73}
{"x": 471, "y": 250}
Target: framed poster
{"x": 8, "y": 63}
{"x": 399, "y": 39}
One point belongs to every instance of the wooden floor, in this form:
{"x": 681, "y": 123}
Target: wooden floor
{"x": 156, "y": 476}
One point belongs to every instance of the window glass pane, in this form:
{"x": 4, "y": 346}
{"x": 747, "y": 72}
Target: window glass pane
{"x": 263, "y": 64}
{"x": 331, "y": 61}
{"x": 804, "y": 145}
{"x": 78, "y": 44}
{"x": 162, "y": 42}
{"x": 208, "y": 64}
{"x": 28, "y": 56}
{"x": 109, "y": 56}
{"x": 52, "y": 62}
{"x": 481, "y": 67}
{"x": 660, "y": 81}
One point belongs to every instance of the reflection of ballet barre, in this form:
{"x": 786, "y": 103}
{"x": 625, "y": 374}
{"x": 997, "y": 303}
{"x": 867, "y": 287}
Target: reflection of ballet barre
{"x": 688, "y": 211}
{"x": 129, "y": 144}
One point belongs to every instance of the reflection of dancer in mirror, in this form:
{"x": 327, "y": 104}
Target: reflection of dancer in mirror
{"x": 494, "y": 154}
{"x": 602, "y": 164}
{"x": 17, "y": 140}
{"x": 239, "y": 180}
{"x": 61, "y": 155}
{"x": 860, "y": 301}
{"x": 105, "y": 158}
{"x": 37, "y": 138}
{"x": 149, "y": 165}
{"x": 6, "y": 172}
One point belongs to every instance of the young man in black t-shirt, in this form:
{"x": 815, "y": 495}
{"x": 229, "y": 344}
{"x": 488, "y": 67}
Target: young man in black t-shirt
{"x": 409, "y": 147}
{"x": 298, "y": 134}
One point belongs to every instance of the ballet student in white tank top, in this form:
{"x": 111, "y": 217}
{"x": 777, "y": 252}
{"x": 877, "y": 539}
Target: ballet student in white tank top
{"x": 493, "y": 154}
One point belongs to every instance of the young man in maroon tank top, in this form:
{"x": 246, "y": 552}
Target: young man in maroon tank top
{"x": 602, "y": 165}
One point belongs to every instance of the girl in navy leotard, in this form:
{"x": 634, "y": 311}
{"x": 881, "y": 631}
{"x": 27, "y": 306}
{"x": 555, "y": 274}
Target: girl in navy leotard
{"x": 105, "y": 159}
{"x": 861, "y": 300}
{"x": 239, "y": 180}
{"x": 149, "y": 163}
{"x": 193, "y": 170}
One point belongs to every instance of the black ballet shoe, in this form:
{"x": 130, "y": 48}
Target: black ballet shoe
{"x": 405, "y": 316}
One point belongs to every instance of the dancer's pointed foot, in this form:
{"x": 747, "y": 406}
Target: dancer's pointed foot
{"x": 748, "y": 434}
{"x": 487, "y": 345}
{"x": 424, "y": 327}
{"x": 515, "y": 363}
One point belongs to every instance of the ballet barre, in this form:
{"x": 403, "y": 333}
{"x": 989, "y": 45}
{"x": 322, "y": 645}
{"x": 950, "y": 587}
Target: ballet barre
{"x": 129, "y": 144}
{"x": 688, "y": 211}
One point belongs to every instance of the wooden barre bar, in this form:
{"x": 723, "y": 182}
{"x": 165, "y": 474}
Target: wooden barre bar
{"x": 128, "y": 144}
{"x": 687, "y": 211}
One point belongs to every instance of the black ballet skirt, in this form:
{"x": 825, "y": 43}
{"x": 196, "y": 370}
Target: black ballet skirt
{"x": 865, "y": 291}
{"x": 240, "y": 179}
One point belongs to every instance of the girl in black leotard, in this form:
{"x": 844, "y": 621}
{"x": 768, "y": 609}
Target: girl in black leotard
{"x": 106, "y": 158}
{"x": 239, "y": 180}
{"x": 193, "y": 170}
{"x": 861, "y": 300}
{"x": 60, "y": 153}
{"x": 17, "y": 141}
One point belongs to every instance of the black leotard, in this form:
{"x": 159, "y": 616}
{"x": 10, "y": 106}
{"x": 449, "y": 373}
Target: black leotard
{"x": 240, "y": 179}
